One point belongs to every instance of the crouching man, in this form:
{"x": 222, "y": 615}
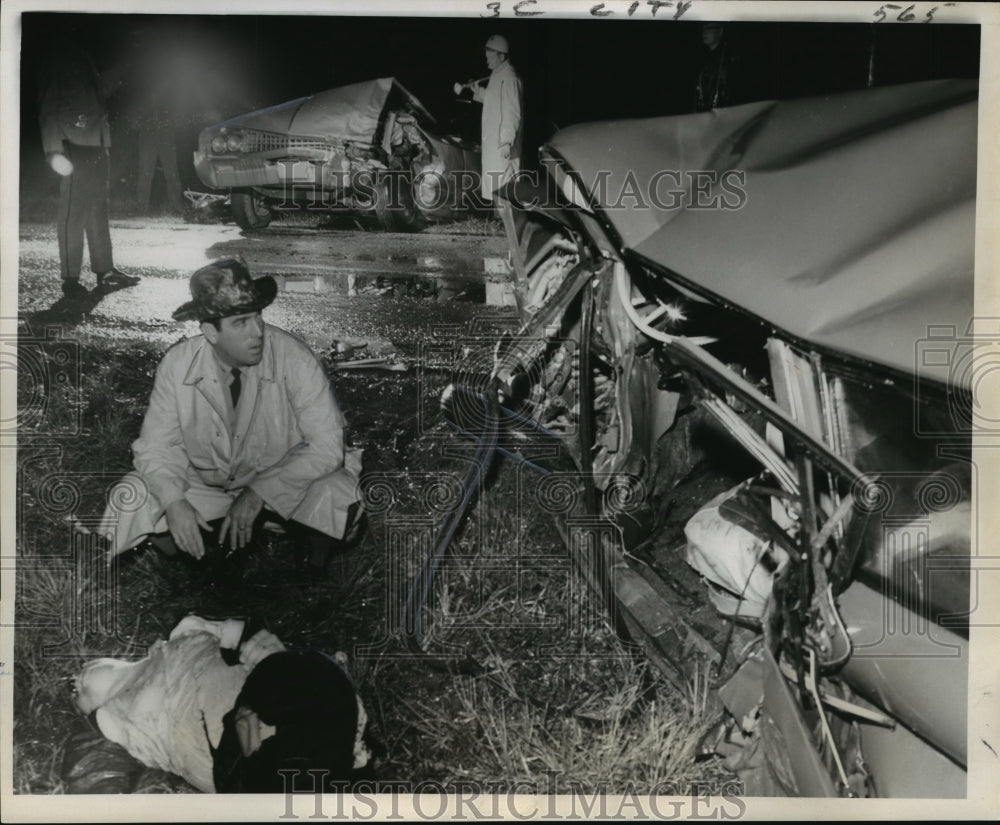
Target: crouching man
{"x": 241, "y": 423}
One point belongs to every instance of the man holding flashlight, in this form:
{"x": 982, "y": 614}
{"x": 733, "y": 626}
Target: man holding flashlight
{"x": 502, "y": 127}
{"x": 76, "y": 137}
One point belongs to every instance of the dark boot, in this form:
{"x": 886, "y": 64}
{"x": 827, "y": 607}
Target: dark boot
{"x": 76, "y": 299}
{"x": 115, "y": 280}
{"x": 314, "y": 549}
{"x": 165, "y": 543}
{"x": 75, "y": 291}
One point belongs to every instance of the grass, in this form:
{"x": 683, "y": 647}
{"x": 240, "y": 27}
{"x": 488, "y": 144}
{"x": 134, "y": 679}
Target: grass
{"x": 617, "y": 735}
{"x": 62, "y": 614}
{"x": 553, "y": 693}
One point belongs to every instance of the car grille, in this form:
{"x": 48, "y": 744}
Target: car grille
{"x": 269, "y": 142}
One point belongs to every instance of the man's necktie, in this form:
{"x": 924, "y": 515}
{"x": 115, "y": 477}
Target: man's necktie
{"x": 236, "y": 386}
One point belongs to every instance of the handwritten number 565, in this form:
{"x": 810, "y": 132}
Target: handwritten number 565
{"x": 906, "y": 15}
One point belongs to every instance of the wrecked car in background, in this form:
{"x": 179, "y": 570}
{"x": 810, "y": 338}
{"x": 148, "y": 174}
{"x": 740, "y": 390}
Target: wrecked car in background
{"x": 370, "y": 148}
{"x": 775, "y": 297}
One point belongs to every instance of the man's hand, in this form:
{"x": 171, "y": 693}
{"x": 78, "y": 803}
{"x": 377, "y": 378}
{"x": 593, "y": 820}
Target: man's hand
{"x": 60, "y": 164}
{"x": 505, "y": 151}
{"x": 185, "y": 525}
{"x": 240, "y": 518}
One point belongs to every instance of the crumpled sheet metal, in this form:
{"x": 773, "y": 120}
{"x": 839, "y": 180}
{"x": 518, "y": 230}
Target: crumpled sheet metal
{"x": 782, "y": 760}
{"x": 345, "y": 113}
{"x": 857, "y": 229}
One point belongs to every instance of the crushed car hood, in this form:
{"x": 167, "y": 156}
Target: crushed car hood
{"x": 346, "y": 113}
{"x": 856, "y": 230}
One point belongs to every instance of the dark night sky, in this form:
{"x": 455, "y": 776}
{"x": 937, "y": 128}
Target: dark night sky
{"x": 573, "y": 70}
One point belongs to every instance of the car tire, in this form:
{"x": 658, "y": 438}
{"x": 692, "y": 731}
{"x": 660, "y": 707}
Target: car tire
{"x": 402, "y": 216}
{"x": 250, "y": 210}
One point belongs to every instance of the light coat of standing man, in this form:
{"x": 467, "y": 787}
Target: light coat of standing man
{"x": 502, "y": 124}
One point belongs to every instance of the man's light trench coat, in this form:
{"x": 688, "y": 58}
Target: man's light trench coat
{"x": 287, "y": 443}
{"x": 502, "y": 101}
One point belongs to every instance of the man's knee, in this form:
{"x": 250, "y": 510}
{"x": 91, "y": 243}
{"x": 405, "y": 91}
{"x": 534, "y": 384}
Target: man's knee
{"x": 129, "y": 494}
{"x": 130, "y": 515}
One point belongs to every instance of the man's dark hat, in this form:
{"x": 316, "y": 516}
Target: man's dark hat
{"x": 225, "y": 288}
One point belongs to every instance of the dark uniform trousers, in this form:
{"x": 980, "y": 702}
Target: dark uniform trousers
{"x": 83, "y": 209}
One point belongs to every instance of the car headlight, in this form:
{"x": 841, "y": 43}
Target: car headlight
{"x": 234, "y": 142}
{"x": 357, "y": 151}
{"x": 219, "y": 144}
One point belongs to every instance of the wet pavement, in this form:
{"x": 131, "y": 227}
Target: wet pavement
{"x": 379, "y": 292}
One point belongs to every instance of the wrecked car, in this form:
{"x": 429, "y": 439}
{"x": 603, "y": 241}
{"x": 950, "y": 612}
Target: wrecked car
{"x": 775, "y": 299}
{"x": 370, "y": 149}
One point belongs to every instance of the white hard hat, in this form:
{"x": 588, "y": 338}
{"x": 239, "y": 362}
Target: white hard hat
{"x": 498, "y": 43}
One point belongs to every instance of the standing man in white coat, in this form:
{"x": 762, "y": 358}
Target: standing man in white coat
{"x": 241, "y": 422}
{"x": 502, "y": 99}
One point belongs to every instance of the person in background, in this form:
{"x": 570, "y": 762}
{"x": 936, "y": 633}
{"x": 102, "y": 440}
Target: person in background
{"x": 156, "y": 116}
{"x": 157, "y": 101}
{"x": 502, "y": 126}
{"x": 178, "y": 83}
{"x": 716, "y": 82}
{"x": 76, "y": 138}
{"x": 242, "y": 426}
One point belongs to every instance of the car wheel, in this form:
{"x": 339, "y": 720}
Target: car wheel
{"x": 396, "y": 211}
{"x": 250, "y": 210}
